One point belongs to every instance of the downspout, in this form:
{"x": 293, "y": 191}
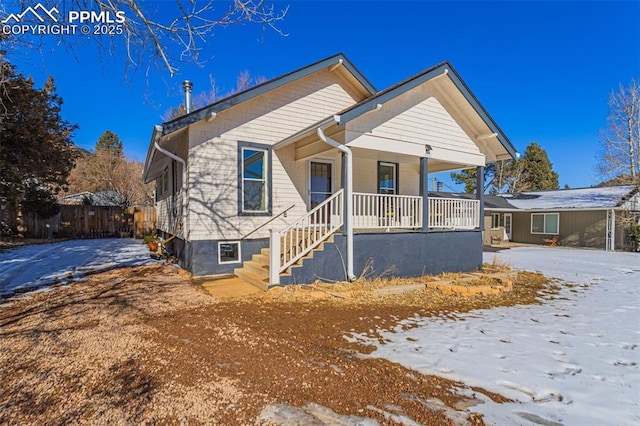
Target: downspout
{"x": 348, "y": 196}
{"x": 158, "y": 133}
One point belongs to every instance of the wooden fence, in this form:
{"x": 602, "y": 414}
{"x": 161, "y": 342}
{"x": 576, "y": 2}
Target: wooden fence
{"x": 92, "y": 222}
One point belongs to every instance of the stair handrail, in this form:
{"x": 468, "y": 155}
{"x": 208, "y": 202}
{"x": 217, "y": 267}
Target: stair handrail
{"x": 282, "y": 260}
{"x": 268, "y": 221}
{"x": 315, "y": 209}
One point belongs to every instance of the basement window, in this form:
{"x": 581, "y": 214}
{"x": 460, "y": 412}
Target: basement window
{"x": 545, "y": 223}
{"x": 228, "y": 252}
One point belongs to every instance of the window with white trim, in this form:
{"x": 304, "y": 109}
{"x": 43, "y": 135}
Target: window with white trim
{"x": 495, "y": 220}
{"x": 158, "y": 188}
{"x": 254, "y": 189}
{"x": 229, "y": 252}
{"x": 387, "y": 178}
{"x": 545, "y": 223}
{"x": 165, "y": 181}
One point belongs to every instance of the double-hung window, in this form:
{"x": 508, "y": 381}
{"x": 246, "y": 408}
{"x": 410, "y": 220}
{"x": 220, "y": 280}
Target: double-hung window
{"x": 495, "y": 220}
{"x": 254, "y": 189}
{"x": 387, "y": 178}
{"x": 545, "y": 223}
{"x": 165, "y": 180}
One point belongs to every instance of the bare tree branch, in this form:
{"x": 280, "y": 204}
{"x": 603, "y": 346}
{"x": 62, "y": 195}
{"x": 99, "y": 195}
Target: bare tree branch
{"x": 619, "y": 155}
{"x": 160, "y": 38}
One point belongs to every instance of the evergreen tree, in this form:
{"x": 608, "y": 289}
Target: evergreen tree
{"x": 110, "y": 143}
{"x": 537, "y": 170}
{"x": 108, "y": 172}
{"x": 533, "y": 172}
{"x": 36, "y": 151}
{"x": 468, "y": 177}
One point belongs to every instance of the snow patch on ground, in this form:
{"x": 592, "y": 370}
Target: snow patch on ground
{"x": 37, "y": 267}
{"x": 574, "y": 360}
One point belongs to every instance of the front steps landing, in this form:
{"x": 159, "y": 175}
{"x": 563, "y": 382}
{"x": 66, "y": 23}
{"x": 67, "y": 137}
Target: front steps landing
{"x": 256, "y": 270}
{"x": 230, "y": 288}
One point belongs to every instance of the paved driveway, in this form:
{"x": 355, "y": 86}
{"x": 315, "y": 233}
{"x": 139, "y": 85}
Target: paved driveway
{"x": 36, "y": 267}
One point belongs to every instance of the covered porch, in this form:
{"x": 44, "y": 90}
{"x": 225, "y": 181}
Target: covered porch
{"x": 360, "y": 190}
{"x": 366, "y": 170}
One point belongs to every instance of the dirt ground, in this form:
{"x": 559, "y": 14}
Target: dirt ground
{"x": 146, "y": 346}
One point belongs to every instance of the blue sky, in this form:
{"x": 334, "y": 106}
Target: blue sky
{"x": 543, "y": 70}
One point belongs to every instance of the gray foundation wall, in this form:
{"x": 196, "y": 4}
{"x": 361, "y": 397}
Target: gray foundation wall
{"x": 204, "y": 256}
{"x": 177, "y": 248}
{"x": 394, "y": 254}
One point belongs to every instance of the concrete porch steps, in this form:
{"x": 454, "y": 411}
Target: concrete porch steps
{"x": 256, "y": 270}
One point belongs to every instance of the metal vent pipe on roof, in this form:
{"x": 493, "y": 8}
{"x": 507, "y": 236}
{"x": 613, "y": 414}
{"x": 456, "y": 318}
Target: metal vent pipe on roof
{"x": 188, "y": 86}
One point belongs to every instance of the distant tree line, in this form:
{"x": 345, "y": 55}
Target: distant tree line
{"x": 617, "y": 160}
{"x": 39, "y": 161}
{"x": 109, "y": 173}
{"x": 531, "y": 172}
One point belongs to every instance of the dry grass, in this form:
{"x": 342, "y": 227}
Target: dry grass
{"x": 497, "y": 265}
{"x": 527, "y": 288}
{"x": 145, "y": 346}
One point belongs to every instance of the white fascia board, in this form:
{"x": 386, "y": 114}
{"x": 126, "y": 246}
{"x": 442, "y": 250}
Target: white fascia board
{"x": 357, "y": 140}
{"x": 458, "y": 157}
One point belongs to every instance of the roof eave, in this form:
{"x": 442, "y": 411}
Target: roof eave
{"x": 203, "y": 113}
{"x": 437, "y": 71}
{"x": 155, "y": 136}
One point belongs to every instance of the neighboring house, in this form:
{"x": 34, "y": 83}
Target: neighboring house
{"x": 586, "y": 217}
{"x": 316, "y": 175}
{"x": 98, "y": 199}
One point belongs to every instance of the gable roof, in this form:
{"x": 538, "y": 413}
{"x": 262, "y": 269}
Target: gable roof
{"x": 598, "y": 198}
{"x": 443, "y": 68}
{"x": 373, "y": 102}
{"x": 237, "y": 98}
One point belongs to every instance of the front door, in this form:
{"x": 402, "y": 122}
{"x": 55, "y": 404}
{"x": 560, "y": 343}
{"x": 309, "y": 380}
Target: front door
{"x": 320, "y": 182}
{"x": 507, "y": 225}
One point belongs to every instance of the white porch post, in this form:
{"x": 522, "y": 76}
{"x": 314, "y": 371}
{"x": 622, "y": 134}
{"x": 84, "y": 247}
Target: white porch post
{"x": 611, "y": 244}
{"x": 424, "y": 191}
{"x": 348, "y": 198}
{"x": 480, "y": 194}
{"x": 274, "y": 257}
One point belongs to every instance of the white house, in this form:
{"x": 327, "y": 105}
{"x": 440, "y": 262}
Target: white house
{"x": 317, "y": 175}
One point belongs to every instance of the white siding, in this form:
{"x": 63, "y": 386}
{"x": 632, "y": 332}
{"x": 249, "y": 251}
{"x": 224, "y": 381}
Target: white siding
{"x": 169, "y": 206}
{"x": 365, "y": 176}
{"x": 213, "y": 158}
{"x": 415, "y": 117}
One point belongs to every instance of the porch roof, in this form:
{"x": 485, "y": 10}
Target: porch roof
{"x": 444, "y": 69}
{"x": 490, "y": 130}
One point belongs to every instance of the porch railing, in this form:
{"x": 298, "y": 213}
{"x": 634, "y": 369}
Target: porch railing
{"x": 305, "y": 234}
{"x": 454, "y": 213}
{"x": 375, "y": 211}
